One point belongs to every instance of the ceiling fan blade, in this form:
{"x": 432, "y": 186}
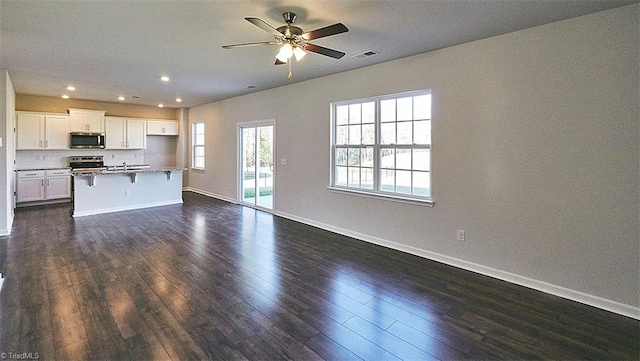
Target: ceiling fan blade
{"x": 323, "y": 51}
{"x": 326, "y": 31}
{"x": 264, "y": 26}
{"x": 249, "y": 44}
{"x": 278, "y": 62}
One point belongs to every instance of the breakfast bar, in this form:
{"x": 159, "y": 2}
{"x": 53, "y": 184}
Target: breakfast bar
{"x": 120, "y": 189}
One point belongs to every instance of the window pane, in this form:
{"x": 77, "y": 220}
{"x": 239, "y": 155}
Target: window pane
{"x": 341, "y": 156}
{"x": 354, "y": 156}
{"x": 388, "y": 133}
{"x": 421, "y": 158}
{"x": 422, "y": 131}
{"x": 405, "y": 108}
{"x": 343, "y": 135}
{"x": 422, "y": 107}
{"x": 403, "y": 182}
{"x": 421, "y": 184}
{"x": 387, "y": 158}
{"x": 198, "y": 151}
{"x": 199, "y": 139}
{"x": 388, "y": 110}
{"x": 403, "y": 158}
{"x": 366, "y": 178}
{"x": 369, "y": 112}
{"x": 353, "y": 177}
{"x": 404, "y": 133}
{"x": 341, "y": 176}
{"x": 368, "y": 134}
{"x": 354, "y": 114}
{"x": 342, "y": 114}
{"x": 198, "y": 162}
{"x": 387, "y": 180}
{"x": 366, "y": 157}
{"x": 354, "y": 134}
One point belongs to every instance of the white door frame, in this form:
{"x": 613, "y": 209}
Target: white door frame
{"x": 239, "y": 159}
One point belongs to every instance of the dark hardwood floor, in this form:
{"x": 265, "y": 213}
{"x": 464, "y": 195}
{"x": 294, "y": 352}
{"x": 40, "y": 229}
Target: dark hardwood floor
{"x": 213, "y": 280}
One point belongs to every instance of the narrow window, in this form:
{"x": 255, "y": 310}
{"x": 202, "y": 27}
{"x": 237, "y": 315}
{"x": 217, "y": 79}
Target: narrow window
{"x": 197, "y": 160}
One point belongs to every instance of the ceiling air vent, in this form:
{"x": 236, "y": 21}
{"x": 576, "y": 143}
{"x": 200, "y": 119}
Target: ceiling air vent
{"x": 365, "y": 54}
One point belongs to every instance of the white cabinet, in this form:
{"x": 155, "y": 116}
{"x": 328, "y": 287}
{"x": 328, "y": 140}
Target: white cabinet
{"x": 85, "y": 120}
{"x": 42, "y": 185}
{"x": 42, "y": 131}
{"x": 58, "y": 184}
{"x": 162, "y": 127}
{"x": 30, "y": 186}
{"x": 123, "y": 133}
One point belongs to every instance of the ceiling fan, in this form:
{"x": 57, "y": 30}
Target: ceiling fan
{"x": 295, "y": 42}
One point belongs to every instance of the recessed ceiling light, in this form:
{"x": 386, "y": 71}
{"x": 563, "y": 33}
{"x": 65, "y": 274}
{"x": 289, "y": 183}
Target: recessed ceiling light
{"x": 71, "y": 88}
{"x": 65, "y": 96}
{"x": 164, "y": 78}
{"x": 179, "y": 100}
{"x": 121, "y": 98}
{"x": 161, "y": 105}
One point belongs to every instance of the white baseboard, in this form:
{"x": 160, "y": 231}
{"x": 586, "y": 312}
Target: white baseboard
{"x": 585, "y": 298}
{"x": 591, "y": 300}
{"x": 209, "y": 194}
{"x": 127, "y": 208}
{"x": 4, "y": 232}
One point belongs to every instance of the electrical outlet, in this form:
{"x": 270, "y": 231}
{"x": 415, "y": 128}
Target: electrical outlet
{"x": 460, "y": 236}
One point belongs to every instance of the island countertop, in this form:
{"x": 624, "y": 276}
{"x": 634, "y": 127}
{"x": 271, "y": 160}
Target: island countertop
{"x": 132, "y": 170}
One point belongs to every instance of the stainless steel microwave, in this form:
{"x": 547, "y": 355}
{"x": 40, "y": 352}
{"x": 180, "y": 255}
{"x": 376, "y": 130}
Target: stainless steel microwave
{"x": 86, "y": 140}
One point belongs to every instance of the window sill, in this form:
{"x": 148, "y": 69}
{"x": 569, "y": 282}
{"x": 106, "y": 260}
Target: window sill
{"x": 197, "y": 169}
{"x": 383, "y": 196}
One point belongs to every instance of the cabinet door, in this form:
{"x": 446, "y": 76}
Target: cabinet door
{"x": 30, "y": 189}
{"x": 57, "y": 132}
{"x": 115, "y": 133}
{"x": 136, "y": 134}
{"x": 157, "y": 127}
{"x": 78, "y": 121}
{"x": 96, "y": 121}
{"x": 58, "y": 187}
{"x": 30, "y": 131}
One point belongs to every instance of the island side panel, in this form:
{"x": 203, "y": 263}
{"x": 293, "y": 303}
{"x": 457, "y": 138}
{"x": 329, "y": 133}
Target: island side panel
{"x": 116, "y": 192}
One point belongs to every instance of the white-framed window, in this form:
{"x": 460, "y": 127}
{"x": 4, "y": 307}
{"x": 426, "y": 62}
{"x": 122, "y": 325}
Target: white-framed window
{"x": 197, "y": 151}
{"x": 382, "y": 146}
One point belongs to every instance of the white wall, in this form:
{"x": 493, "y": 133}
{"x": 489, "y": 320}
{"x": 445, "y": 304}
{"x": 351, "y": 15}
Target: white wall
{"x": 7, "y": 154}
{"x": 535, "y": 155}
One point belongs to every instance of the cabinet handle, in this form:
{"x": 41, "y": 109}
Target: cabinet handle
{"x": 40, "y": 144}
{"x": 48, "y": 182}
{"x": 46, "y": 144}
{"x": 43, "y": 182}
{"x": 31, "y": 174}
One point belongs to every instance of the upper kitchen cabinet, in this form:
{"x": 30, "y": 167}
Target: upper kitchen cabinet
{"x": 162, "y": 127}
{"x": 85, "y": 120}
{"x": 41, "y": 131}
{"x": 124, "y": 133}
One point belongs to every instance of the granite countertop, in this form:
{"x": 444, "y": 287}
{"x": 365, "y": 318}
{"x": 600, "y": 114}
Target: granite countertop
{"x": 128, "y": 171}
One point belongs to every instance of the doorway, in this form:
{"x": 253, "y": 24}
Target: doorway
{"x": 256, "y": 172}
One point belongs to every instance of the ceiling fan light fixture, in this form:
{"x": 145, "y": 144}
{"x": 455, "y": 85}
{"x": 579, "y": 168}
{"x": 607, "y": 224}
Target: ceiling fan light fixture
{"x": 286, "y": 52}
{"x": 299, "y": 53}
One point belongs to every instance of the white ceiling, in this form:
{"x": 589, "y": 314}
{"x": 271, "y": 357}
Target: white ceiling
{"x": 111, "y": 48}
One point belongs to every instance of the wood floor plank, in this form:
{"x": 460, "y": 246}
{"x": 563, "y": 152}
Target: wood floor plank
{"x": 212, "y": 280}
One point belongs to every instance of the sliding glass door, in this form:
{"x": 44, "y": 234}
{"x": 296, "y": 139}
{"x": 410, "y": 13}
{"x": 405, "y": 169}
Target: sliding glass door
{"x": 256, "y": 171}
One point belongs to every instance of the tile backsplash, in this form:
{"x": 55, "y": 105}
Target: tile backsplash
{"x": 37, "y": 159}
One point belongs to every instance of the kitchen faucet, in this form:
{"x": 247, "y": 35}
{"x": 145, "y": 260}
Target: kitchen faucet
{"x": 125, "y": 166}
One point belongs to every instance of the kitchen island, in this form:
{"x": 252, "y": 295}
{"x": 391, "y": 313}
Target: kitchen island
{"x": 117, "y": 189}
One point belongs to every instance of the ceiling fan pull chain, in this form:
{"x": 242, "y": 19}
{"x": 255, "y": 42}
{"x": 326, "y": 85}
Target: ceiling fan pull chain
{"x": 290, "y": 73}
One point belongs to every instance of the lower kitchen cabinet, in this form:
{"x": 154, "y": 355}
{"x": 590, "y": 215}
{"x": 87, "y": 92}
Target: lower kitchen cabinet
{"x": 43, "y": 185}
